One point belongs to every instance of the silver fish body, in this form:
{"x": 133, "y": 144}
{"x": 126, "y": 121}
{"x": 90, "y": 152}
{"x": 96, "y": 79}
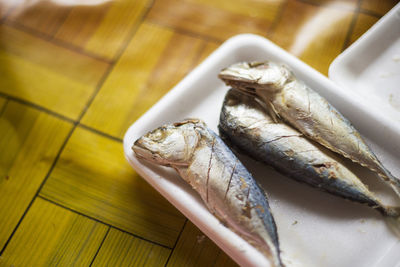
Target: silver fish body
{"x": 246, "y": 125}
{"x": 290, "y": 99}
{"x": 226, "y": 187}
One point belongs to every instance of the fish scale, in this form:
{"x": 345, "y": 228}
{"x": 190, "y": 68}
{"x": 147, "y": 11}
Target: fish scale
{"x": 226, "y": 187}
{"x": 246, "y": 125}
{"x": 288, "y": 98}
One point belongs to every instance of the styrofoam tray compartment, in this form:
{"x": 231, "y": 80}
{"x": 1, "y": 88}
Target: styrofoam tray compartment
{"x": 371, "y": 66}
{"x": 315, "y": 228}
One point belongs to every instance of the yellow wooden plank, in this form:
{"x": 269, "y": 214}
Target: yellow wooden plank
{"x": 122, "y": 249}
{"x": 45, "y": 74}
{"x": 155, "y": 60}
{"x": 363, "y": 23}
{"x": 29, "y": 143}
{"x": 52, "y": 236}
{"x": 195, "y": 249}
{"x": 81, "y": 23}
{"x": 316, "y": 34}
{"x": 251, "y": 8}
{"x": 380, "y": 7}
{"x": 209, "y": 20}
{"x": 43, "y": 16}
{"x": 102, "y": 30}
{"x": 93, "y": 177}
{"x": 207, "y": 50}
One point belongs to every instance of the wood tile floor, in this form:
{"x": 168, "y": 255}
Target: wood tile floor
{"x": 73, "y": 78}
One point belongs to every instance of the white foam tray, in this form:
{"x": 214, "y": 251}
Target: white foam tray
{"x": 315, "y": 228}
{"x": 371, "y": 66}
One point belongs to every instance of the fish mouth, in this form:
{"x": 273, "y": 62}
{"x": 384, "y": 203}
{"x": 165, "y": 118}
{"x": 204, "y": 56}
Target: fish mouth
{"x": 140, "y": 150}
{"x": 250, "y": 91}
{"x": 244, "y": 85}
{"x": 245, "y": 88}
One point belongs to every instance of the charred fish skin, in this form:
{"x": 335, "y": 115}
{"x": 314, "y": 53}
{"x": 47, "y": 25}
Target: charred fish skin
{"x": 290, "y": 99}
{"x": 229, "y": 191}
{"x": 245, "y": 124}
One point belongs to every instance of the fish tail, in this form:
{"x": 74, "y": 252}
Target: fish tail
{"x": 393, "y": 181}
{"x": 392, "y": 218}
{"x": 383, "y": 174}
{"x": 377, "y": 168}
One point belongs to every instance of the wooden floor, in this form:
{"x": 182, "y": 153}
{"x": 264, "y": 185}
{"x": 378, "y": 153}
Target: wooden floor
{"x": 74, "y": 78}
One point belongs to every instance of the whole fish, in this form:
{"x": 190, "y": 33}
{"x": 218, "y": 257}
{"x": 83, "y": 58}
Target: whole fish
{"x": 229, "y": 191}
{"x": 246, "y": 125}
{"x": 290, "y": 99}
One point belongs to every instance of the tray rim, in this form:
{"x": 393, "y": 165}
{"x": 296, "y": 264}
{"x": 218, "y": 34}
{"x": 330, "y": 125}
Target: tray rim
{"x": 252, "y": 257}
{"x": 339, "y": 65}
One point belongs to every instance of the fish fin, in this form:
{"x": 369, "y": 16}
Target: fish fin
{"x": 392, "y": 219}
{"x": 273, "y": 113}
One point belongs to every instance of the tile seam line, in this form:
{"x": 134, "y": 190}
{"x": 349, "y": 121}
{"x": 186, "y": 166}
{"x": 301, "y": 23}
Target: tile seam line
{"x": 101, "y": 244}
{"x": 176, "y": 242}
{"x": 106, "y": 135}
{"x": 65, "y": 17}
{"x": 57, "y": 115}
{"x": 177, "y": 29}
{"x": 38, "y": 190}
{"x": 102, "y": 222}
{"x": 3, "y": 109}
{"x": 326, "y": 6}
{"x": 37, "y": 107}
{"x": 129, "y": 37}
{"x": 75, "y": 124}
{"x": 51, "y": 40}
{"x": 134, "y": 29}
{"x": 371, "y": 13}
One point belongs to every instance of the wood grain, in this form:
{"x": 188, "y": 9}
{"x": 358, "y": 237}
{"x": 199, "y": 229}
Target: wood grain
{"x": 29, "y": 141}
{"x": 102, "y": 30}
{"x": 46, "y": 74}
{"x": 81, "y": 23}
{"x": 114, "y": 61}
{"x": 93, "y": 177}
{"x": 43, "y": 16}
{"x": 155, "y": 60}
{"x": 248, "y": 8}
{"x": 214, "y": 20}
{"x": 122, "y": 249}
{"x": 52, "y": 236}
{"x": 195, "y": 249}
{"x": 316, "y": 35}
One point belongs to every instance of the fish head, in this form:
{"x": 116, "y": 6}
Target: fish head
{"x": 171, "y": 144}
{"x": 245, "y": 108}
{"x": 256, "y": 78}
